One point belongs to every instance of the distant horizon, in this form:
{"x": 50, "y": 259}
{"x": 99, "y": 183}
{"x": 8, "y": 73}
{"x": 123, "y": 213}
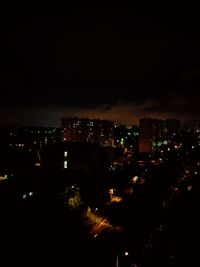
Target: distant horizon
{"x": 119, "y": 65}
{"x": 58, "y": 125}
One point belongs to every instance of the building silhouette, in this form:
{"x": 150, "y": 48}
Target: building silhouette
{"x": 155, "y": 133}
{"x": 173, "y": 125}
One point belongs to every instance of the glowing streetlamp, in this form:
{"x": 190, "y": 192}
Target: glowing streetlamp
{"x": 95, "y": 211}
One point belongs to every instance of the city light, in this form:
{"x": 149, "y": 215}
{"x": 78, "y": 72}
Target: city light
{"x": 189, "y": 188}
{"x": 5, "y": 177}
{"x": 65, "y": 164}
{"x": 135, "y": 179}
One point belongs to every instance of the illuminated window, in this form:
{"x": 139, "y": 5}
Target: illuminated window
{"x": 65, "y": 164}
{"x": 3, "y": 177}
{"x": 65, "y": 154}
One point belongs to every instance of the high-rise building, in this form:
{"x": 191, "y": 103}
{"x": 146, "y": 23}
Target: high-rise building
{"x": 173, "y": 125}
{"x": 90, "y": 130}
{"x": 77, "y": 156}
{"x": 153, "y": 133}
{"x": 145, "y": 137}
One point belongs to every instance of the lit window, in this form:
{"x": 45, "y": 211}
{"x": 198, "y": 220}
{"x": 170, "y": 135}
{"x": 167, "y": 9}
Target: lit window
{"x": 65, "y": 164}
{"x": 65, "y": 154}
{"x": 3, "y": 177}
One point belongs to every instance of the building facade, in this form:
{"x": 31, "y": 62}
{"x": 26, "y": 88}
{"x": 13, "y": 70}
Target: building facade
{"x": 87, "y": 130}
{"x": 155, "y": 133}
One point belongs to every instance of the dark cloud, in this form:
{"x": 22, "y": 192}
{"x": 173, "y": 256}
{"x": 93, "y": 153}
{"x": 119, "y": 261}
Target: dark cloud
{"x": 123, "y": 112}
{"x": 118, "y": 64}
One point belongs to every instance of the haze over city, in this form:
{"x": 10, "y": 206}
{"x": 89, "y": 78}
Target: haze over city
{"x": 117, "y": 63}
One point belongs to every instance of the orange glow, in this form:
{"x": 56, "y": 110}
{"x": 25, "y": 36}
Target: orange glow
{"x": 116, "y": 199}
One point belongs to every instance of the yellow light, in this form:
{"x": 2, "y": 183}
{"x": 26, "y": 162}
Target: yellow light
{"x": 3, "y": 178}
{"x": 111, "y": 191}
{"x": 116, "y": 199}
{"x": 134, "y": 179}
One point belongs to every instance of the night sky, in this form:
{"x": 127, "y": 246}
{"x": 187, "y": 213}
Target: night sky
{"x": 116, "y": 63}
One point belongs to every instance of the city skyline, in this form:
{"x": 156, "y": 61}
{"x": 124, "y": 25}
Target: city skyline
{"x": 100, "y": 134}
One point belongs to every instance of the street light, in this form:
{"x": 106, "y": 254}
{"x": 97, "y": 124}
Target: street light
{"x": 95, "y": 214}
{"x": 117, "y": 261}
